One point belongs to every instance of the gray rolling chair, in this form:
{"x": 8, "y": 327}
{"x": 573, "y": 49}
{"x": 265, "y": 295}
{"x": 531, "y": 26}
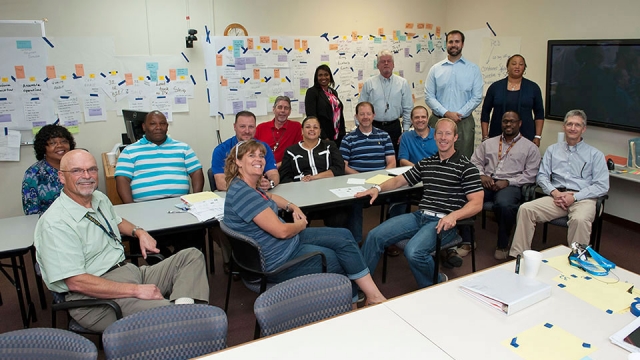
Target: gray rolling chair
{"x": 596, "y": 228}
{"x": 46, "y": 344}
{"x": 439, "y": 246}
{"x": 302, "y": 300}
{"x": 247, "y": 261}
{"x": 167, "y": 332}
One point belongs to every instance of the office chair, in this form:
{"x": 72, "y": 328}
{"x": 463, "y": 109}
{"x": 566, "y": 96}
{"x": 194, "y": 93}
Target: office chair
{"x": 528, "y": 194}
{"x": 46, "y": 344}
{"x": 167, "y": 332}
{"x": 457, "y": 240}
{"x": 302, "y": 300}
{"x": 246, "y": 255}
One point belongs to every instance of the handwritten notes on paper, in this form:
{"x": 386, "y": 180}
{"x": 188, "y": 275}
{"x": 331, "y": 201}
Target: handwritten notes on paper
{"x": 10, "y": 145}
{"x": 493, "y": 60}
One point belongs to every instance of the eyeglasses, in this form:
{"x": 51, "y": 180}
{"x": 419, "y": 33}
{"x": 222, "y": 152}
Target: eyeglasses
{"x": 79, "y": 172}
{"x": 58, "y": 142}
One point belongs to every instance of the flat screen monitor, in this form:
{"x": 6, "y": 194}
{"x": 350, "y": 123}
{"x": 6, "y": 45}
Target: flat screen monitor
{"x": 133, "y": 123}
{"x": 601, "y": 77}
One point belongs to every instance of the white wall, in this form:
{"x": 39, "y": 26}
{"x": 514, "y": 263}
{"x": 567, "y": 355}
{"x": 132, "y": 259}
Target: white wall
{"x": 541, "y": 20}
{"x": 158, "y": 27}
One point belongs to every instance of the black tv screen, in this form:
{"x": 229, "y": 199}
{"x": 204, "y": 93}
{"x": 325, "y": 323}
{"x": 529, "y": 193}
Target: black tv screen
{"x": 601, "y": 77}
{"x": 133, "y": 123}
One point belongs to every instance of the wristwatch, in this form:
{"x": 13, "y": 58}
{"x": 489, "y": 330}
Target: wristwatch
{"x": 133, "y": 232}
{"x": 272, "y": 184}
{"x": 377, "y": 187}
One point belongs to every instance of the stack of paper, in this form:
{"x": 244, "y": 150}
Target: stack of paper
{"x": 204, "y": 205}
{"x": 191, "y": 199}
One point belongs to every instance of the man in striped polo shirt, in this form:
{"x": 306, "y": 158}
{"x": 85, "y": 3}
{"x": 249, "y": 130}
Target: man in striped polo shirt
{"x": 452, "y": 191}
{"x": 365, "y": 149}
{"x": 157, "y": 167}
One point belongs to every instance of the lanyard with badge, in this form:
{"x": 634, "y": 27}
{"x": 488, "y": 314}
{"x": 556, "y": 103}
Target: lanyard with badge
{"x": 109, "y": 232}
{"x": 501, "y": 157}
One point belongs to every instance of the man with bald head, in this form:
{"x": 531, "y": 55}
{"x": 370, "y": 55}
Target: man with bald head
{"x": 80, "y": 253}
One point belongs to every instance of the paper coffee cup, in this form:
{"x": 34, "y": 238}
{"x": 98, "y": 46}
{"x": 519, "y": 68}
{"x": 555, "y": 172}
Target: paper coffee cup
{"x": 532, "y": 261}
{"x": 111, "y": 156}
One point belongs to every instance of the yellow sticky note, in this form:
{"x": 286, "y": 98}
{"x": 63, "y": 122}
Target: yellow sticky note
{"x": 182, "y": 77}
{"x": 259, "y": 47}
{"x": 241, "y": 81}
{"x": 32, "y": 78}
{"x": 140, "y": 78}
{"x": 4, "y": 79}
{"x": 113, "y": 72}
{"x": 280, "y": 47}
{"x": 283, "y": 80}
{"x": 230, "y": 48}
{"x": 34, "y": 130}
{"x": 92, "y": 76}
{"x": 262, "y": 80}
{"x": 303, "y": 92}
{"x": 548, "y": 341}
{"x": 73, "y": 129}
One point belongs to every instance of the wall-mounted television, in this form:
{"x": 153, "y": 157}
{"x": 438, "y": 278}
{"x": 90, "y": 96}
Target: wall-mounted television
{"x": 601, "y": 77}
{"x": 133, "y": 123}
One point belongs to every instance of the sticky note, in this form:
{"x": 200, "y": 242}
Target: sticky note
{"x": 264, "y": 39}
{"x": 92, "y": 76}
{"x": 140, "y": 78}
{"x": 182, "y": 72}
{"x": 437, "y": 31}
{"x": 153, "y": 74}
{"x": 428, "y": 26}
{"x": 5, "y": 79}
{"x": 354, "y": 35}
{"x": 172, "y": 74}
{"x": 128, "y": 78}
{"x": 408, "y": 26}
{"x": 402, "y": 38}
{"x": 360, "y": 85}
{"x": 377, "y": 40}
{"x": 63, "y": 77}
{"x": 430, "y": 45}
{"x": 19, "y": 71}
{"x": 256, "y": 74}
{"x": 420, "y": 26}
{"x": 152, "y": 66}
{"x": 113, "y": 72}
{"x": 296, "y": 43}
{"x": 274, "y": 44}
{"x": 333, "y": 46}
{"x": 305, "y": 44}
{"x": 218, "y": 60}
{"x": 224, "y": 82}
{"x": 410, "y": 34}
{"x": 79, "y": 70}
{"x": 51, "y": 72}
{"x": 23, "y": 44}
{"x": 324, "y": 57}
{"x": 250, "y": 43}
{"x": 276, "y": 73}
{"x": 380, "y": 31}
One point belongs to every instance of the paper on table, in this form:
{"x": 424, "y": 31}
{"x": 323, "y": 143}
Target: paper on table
{"x": 378, "y": 179}
{"x": 604, "y": 293}
{"x": 399, "y": 170}
{"x": 355, "y": 181}
{"x": 348, "y": 192}
{"x": 197, "y": 197}
{"x": 208, "y": 209}
{"x": 547, "y": 341}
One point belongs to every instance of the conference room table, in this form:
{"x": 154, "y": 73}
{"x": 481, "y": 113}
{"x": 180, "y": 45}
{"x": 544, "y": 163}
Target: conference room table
{"x": 459, "y": 326}
{"x": 17, "y": 240}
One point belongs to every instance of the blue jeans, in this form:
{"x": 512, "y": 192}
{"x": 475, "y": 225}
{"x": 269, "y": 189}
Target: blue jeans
{"x": 418, "y": 227}
{"x": 337, "y": 244}
{"x": 356, "y": 220}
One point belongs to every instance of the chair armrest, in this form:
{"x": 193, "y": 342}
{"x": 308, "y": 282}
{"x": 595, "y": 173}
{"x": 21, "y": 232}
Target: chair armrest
{"x": 528, "y": 192}
{"x": 466, "y": 222}
{"x": 298, "y": 260}
{"x": 66, "y": 305}
{"x": 600, "y": 204}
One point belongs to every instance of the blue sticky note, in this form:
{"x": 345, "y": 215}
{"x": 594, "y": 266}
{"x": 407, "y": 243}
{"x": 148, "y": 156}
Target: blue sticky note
{"x": 377, "y": 40}
{"x": 152, "y": 66}
{"x": 153, "y": 74}
{"x": 402, "y": 37}
{"x": 237, "y": 48}
{"x": 430, "y": 45}
{"x": 23, "y": 44}
{"x": 182, "y": 72}
{"x": 418, "y": 47}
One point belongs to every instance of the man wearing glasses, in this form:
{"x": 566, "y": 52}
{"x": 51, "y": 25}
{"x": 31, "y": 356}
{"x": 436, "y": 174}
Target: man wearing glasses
{"x": 574, "y": 174}
{"x": 506, "y": 163}
{"x": 80, "y": 253}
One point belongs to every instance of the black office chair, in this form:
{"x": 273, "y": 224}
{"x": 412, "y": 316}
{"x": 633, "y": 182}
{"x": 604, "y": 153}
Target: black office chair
{"x": 439, "y": 246}
{"x": 596, "y": 228}
{"x": 528, "y": 194}
{"x": 247, "y": 258}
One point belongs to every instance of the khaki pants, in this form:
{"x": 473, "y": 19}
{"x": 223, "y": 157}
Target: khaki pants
{"x": 181, "y": 275}
{"x": 581, "y": 215}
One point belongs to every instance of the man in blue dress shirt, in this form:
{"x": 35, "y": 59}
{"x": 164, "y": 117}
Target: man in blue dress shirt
{"x": 453, "y": 89}
{"x": 574, "y": 175}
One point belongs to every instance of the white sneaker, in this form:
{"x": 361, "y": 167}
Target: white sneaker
{"x": 501, "y": 254}
{"x": 465, "y": 249}
{"x": 183, "y": 301}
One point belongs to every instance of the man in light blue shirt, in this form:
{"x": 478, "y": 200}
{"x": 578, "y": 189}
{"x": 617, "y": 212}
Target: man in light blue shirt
{"x": 574, "y": 174}
{"x": 453, "y": 89}
{"x": 391, "y": 98}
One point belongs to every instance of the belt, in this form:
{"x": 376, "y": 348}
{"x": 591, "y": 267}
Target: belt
{"x": 561, "y": 189}
{"x": 385, "y": 123}
{"x": 118, "y": 265}
{"x": 434, "y": 214}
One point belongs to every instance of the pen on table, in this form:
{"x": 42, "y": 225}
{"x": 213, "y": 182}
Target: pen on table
{"x": 518, "y": 264}
{"x": 175, "y": 211}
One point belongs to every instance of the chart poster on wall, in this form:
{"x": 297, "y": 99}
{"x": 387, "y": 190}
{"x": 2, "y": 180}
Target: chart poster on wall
{"x": 249, "y": 72}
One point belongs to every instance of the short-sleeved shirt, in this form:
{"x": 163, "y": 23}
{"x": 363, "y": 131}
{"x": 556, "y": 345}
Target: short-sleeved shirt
{"x": 244, "y": 203}
{"x": 446, "y": 183}
{"x": 367, "y": 152}
{"x": 69, "y": 244}
{"x": 289, "y": 134}
{"x": 221, "y": 152}
{"x": 414, "y": 147}
{"x": 40, "y": 187}
{"x": 157, "y": 171}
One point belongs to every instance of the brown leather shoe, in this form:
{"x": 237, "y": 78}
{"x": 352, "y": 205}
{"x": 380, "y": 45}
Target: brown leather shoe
{"x": 392, "y": 251}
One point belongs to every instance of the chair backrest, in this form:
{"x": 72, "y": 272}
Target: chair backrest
{"x": 167, "y": 332}
{"x": 247, "y": 253}
{"x": 302, "y": 300}
{"x": 46, "y": 343}
{"x": 212, "y": 180}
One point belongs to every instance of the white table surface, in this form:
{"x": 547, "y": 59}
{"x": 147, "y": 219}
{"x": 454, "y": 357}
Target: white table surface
{"x": 16, "y": 233}
{"x": 370, "y": 333}
{"x": 468, "y": 329}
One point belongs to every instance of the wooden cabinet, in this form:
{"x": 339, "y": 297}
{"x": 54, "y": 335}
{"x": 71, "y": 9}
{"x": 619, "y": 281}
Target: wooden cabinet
{"x": 110, "y": 180}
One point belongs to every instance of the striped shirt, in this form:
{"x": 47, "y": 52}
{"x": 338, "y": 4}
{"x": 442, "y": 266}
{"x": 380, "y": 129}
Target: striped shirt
{"x": 157, "y": 171}
{"x": 366, "y": 152}
{"x": 446, "y": 183}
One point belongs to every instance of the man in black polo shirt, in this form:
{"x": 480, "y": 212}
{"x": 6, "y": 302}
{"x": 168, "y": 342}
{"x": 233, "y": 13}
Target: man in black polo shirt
{"x": 452, "y": 191}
